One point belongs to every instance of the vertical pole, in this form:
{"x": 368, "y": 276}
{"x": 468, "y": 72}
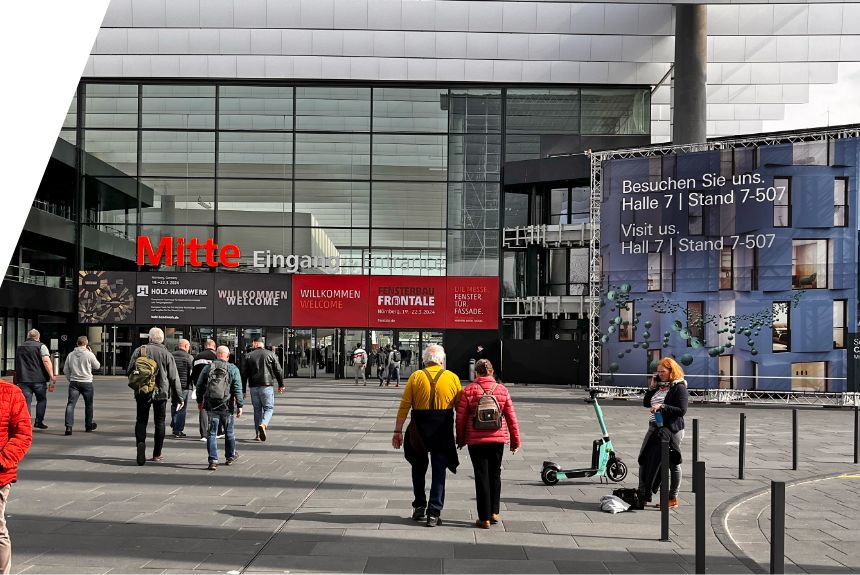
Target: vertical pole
{"x": 695, "y": 453}
{"x": 794, "y": 454}
{"x": 777, "y": 527}
{"x": 742, "y": 446}
{"x": 701, "y": 516}
{"x": 664, "y": 491}
{"x": 691, "y": 74}
{"x": 857, "y": 434}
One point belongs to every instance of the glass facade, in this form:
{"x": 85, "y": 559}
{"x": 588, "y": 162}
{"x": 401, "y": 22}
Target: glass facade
{"x": 369, "y": 173}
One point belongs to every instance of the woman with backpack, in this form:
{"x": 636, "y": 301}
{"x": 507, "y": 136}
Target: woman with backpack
{"x": 486, "y": 421}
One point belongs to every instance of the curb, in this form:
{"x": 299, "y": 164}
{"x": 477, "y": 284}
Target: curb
{"x": 721, "y": 514}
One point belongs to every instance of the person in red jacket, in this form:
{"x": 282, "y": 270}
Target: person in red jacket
{"x": 16, "y": 435}
{"x": 487, "y": 446}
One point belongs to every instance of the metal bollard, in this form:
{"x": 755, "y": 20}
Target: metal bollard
{"x": 742, "y": 446}
{"x": 695, "y": 452}
{"x": 794, "y": 454}
{"x": 664, "y": 491}
{"x": 701, "y": 515}
{"x": 777, "y": 527}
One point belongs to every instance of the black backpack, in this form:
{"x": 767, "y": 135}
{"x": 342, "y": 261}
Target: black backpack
{"x": 397, "y": 356}
{"x": 630, "y": 496}
{"x": 218, "y": 384}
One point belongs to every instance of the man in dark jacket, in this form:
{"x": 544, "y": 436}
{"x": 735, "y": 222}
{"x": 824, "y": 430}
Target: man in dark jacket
{"x": 259, "y": 372}
{"x": 166, "y": 385}
{"x": 16, "y": 436}
{"x": 184, "y": 365}
{"x": 33, "y": 369}
{"x": 223, "y": 411}
{"x": 201, "y": 360}
{"x": 381, "y": 364}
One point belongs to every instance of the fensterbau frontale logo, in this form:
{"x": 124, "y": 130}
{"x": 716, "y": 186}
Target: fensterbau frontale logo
{"x": 179, "y": 252}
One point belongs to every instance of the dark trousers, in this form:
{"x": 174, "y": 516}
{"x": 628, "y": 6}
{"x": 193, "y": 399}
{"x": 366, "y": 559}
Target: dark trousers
{"x": 205, "y": 418}
{"x": 439, "y": 463}
{"x": 487, "y": 463}
{"x": 159, "y": 414}
{"x": 77, "y": 389}
{"x": 40, "y": 390}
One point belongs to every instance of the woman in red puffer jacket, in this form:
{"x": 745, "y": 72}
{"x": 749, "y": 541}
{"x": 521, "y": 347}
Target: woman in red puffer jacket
{"x": 487, "y": 446}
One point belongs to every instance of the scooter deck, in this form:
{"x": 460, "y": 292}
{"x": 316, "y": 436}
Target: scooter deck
{"x": 573, "y": 473}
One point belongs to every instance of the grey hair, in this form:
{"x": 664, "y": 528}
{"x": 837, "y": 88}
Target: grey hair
{"x": 434, "y": 354}
{"x": 83, "y": 341}
{"x": 222, "y": 350}
{"x": 156, "y": 335}
{"x": 33, "y": 334}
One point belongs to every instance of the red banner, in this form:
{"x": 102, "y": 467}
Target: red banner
{"x": 407, "y": 302}
{"x": 473, "y": 303}
{"x": 330, "y": 301}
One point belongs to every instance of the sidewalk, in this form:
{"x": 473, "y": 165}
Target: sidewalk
{"x": 327, "y": 492}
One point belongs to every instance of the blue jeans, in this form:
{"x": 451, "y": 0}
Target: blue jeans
{"x": 177, "y": 417}
{"x": 40, "y": 390}
{"x": 216, "y": 417}
{"x": 439, "y": 463}
{"x": 394, "y": 372}
{"x": 77, "y": 389}
{"x": 263, "y": 399}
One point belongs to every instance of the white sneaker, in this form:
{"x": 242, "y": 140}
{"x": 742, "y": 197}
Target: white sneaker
{"x": 220, "y": 437}
{"x": 203, "y": 439}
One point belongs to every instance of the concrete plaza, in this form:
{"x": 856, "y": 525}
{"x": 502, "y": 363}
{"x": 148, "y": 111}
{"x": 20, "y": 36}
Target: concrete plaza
{"x": 327, "y": 493}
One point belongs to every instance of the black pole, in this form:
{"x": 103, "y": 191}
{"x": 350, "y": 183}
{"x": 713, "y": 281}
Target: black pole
{"x": 777, "y": 527}
{"x": 664, "y": 491}
{"x": 857, "y": 434}
{"x": 794, "y": 454}
{"x": 701, "y": 515}
{"x": 695, "y": 452}
{"x": 742, "y": 446}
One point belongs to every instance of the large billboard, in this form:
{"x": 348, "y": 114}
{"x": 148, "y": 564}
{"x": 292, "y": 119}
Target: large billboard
{"x": 739, "y": 264}
{"x": 262, "y": 300}
{"x": 174, "y": 298}
{"x": 407, "y": 302}
{"x": 106, "y": 297}
{"x": 330, "y": 301}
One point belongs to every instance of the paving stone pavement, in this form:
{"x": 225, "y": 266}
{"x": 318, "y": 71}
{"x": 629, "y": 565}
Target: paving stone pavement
{"x": 327, "y": 492}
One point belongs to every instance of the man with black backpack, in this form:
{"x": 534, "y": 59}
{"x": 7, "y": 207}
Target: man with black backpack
{"x": 393, "y": 365}
{"x": 153, "y": 377}
{"x": 219, "y": 388}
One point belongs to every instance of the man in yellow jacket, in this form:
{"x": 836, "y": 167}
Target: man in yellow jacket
{"x": 432, "y": 394}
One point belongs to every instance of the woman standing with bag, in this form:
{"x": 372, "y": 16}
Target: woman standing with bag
{"x": 486, "y": 421}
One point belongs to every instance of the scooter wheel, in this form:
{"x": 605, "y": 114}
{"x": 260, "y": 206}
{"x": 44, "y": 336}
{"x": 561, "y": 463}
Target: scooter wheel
{"x": 616, "y": 471}
{"x": 549, "y": 475}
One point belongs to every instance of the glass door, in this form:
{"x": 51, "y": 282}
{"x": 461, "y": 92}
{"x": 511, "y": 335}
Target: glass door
{"x": 429, "y": 338}
{"x": 409, "y": 344}
{"x": 275, "y": 342}
{"x": 229, "y": 337}
{"x": 378, "y": 339}
{"x": 302, "y": 342}
{"x": 352, "y": 339}
{"x": 198, "y": 336}
{"x": 172, "y": 335}
{"x": 326, "y": 352}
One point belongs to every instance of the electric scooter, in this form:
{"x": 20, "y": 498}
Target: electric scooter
{"x": 604, "y": 462}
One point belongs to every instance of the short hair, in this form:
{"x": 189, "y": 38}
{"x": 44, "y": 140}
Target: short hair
{"x": 675, "y": 370}
{"x": 434, "y": 354}
{"x": 257, "y": 343}
{"x": 222, "y": 350}
{"x": 210, "y": 344}
{"x": 184, "y": 341}
{"x": 33, "y": 334}
{"x": 483, "y": 367}
{"x": 156, "y": 335}
{"x": 82, "y": 341}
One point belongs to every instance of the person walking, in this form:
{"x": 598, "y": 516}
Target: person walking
{"x": 33, "y": 371}
{"x": 201, "y": 360}
{"x": 381, "y": 364}
{"x": 359, "y": 361}
{"x": 667, "y": 397}
{"x": 259, "y": 372}
{"x": 219, "y": 390}
{"x": 486, "y": 446}
{"x": 78, "y": 369}
{"x": 393, "y": 365}
{"x": 432, "y": 394}
{"x": 166, "y": 385}
{"x": 16, "y": 436}
{"x": 184, "y": 366}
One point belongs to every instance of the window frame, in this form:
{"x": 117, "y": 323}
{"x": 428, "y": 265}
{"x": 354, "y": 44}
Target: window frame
{"x": 846, "y": 214}
{"x": 625, "y": 333}
{"x": 699, "y": 331}
{"x": 827, "y": 270}
{"x": 731, "y": 269}
{"x": 844, "y": 327}
{"x": 787, "y": 327}
{"x": 788, "y": 202}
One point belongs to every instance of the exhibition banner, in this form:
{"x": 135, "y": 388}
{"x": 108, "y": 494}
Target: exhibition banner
{"x": 262, "y": 300}
{"x": 330, "y": 300}
{"x": 170, "y": 298}
{"x": 473, "y": 303}
{"x": 739, "y": 264}
{"x": 106, "y": 297}
{"x": 407, "y": 302}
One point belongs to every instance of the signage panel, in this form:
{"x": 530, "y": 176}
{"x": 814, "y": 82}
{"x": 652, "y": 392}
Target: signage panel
{"x": 473, "y": 303}
{"x": 407, "y": 302}
{"x": 262, "y": 300}
{"x": 106, "y": 297}
{"x": 171, "y": 298}
{"x": 330, "y": 301}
